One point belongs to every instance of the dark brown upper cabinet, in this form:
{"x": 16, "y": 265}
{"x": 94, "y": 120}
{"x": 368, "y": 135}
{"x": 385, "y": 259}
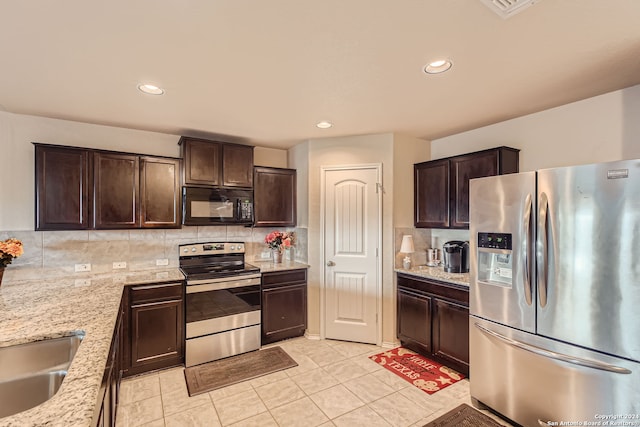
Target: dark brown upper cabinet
{"x": 215, "y": 163}
{"x": 274, "y": 197}
{"x": 116, "y": 179}
{"x": 237, "y": 165}
{"x": 441, "y": 187}
{"x": 160, "y": 196}
{"x": 202, "y": 161}
{"x": 63, "y": 191}
{"x": 80, "y": 188}
{"x": 431, "y": 194}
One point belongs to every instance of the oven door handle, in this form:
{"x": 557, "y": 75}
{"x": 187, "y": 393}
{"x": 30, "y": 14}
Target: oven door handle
{"x": 223, "y": 279}
{"x": 206, "y": 287}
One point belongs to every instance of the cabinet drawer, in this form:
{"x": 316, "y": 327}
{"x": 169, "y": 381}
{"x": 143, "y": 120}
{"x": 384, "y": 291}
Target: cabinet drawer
{"x": 442, "y": 290}
{"x": 284, "y": 278}
{"x": 156, "y": 292}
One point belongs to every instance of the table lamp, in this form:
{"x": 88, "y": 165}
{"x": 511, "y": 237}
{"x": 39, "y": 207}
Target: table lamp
{"x": 407, "y": 248}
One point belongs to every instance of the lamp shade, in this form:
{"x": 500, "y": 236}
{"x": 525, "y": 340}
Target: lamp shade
{"x": 407, "y": 244}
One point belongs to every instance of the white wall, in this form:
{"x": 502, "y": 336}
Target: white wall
{"x": 17, "y": 132}
{"x": 272, "y": 157}
{"x": 602, "y": 128}
{"x": 396, "y": 153}
{"x": 407, "y": 150}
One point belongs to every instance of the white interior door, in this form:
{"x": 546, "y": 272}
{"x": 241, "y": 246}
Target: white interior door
{"x": 352, "y": 218}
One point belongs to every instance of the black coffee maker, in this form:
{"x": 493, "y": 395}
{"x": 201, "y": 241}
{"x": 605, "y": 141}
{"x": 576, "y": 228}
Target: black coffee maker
{"x": 455, "y": 256}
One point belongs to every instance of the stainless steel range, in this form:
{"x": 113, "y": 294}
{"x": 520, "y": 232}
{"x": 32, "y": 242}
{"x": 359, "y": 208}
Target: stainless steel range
{"x": 222, "y": 301}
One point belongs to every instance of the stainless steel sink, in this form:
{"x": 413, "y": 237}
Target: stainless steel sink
{"x": 30, "y": 374}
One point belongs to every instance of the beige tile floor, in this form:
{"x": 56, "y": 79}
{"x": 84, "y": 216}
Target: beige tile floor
{"x": 334, "y": 384}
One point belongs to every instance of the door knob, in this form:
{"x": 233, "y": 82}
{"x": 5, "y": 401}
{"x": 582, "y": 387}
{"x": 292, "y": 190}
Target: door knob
{"x": 330, "y": 263}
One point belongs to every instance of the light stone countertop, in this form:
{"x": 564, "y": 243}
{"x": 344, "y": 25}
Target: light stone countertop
{"x": 50, "y": 308}
{"x": 33, "y": 310}
{"x": 270, "y": 266}
{"x": 436, "y": 273}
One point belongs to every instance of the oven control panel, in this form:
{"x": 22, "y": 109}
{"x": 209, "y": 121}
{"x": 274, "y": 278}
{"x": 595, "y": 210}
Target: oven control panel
{"x": 212, "y": 248}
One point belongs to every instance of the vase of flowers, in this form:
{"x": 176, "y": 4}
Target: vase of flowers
{"x": 279, "y": 241}
{"x": 9, "y": 249}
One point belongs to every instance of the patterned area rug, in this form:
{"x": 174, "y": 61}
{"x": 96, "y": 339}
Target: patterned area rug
{"x": 463, "y": 416}
{"x": 232, "y": 370}
{"x": 423, "y": 373}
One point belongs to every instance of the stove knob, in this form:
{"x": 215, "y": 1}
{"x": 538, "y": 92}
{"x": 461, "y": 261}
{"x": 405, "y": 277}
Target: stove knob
{"x": 185, "y": 250}
{"x": 193, "y": 249}
{"x": 232, "y": 247}
{"x": 239, "y": 247}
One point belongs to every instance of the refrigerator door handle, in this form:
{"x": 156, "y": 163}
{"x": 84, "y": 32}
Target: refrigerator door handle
{"x": 542, "y": 249}
{"x": 553, "y": 355}
{"x": 527, "y": 250}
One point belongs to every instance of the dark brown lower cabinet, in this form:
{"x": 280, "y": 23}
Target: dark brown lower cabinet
{"x": 451, "y": 334}
{"x": 414, "y": 320}
{"x": 107, "y": 405}
{"x": 154, "y": 327}
{"x": 284, "y": 305}
{"x": 433, "y": 320}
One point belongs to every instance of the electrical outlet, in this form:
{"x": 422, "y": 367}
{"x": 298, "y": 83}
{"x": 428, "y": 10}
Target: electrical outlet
{"x": 83, "y": 282}
{"x": 83, "y": 267}
{"x": 265, "y": 255}
{"x": 121, "y": 264}
{"x": 162, "y": 261}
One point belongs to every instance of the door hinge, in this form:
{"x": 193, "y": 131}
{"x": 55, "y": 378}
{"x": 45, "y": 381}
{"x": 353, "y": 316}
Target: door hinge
{"x": 376, "y": 252}
{"x": 379, "y": 188}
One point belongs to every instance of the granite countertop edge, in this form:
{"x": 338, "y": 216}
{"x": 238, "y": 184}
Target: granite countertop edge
{"x": 32, "y": 310}
{"x": 270, "y": 266}
{"x": 37, "y": 309}
{"x": 436, "y": 273}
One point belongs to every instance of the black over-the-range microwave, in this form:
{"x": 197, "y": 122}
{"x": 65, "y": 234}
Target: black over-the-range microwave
{"x": 216, "y": 206}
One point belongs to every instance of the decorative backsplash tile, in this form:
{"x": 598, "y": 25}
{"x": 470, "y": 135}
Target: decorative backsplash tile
{"x": 55, "y": 253}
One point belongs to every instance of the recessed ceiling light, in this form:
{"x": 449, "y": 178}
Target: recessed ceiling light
{"x": 324, "y": 124}
{"x": 150, "y": 89}
{"x": 439, "y": 66}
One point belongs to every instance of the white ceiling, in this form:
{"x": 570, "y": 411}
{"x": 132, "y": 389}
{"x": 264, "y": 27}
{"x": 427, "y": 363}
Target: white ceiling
{"x": 266, "y": 71}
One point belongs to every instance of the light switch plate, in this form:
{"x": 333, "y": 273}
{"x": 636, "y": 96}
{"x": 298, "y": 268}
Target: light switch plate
{"x": 121, "y": 264}
{"x": 83, "y": 267}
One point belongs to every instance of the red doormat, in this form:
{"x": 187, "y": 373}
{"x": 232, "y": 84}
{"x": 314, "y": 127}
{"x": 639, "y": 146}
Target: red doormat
{"x": 423, "y": 373}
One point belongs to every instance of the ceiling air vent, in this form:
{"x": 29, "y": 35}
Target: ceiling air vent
{"x": 507, "y": 8}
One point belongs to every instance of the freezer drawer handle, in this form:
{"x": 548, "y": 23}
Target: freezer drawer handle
{"x": 553, "y": 355}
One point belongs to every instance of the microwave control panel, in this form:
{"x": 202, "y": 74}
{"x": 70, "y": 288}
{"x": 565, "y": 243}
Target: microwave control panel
{"x": 246, "y": 209}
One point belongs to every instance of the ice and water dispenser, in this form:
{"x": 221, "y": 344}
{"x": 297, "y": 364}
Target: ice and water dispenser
{"x": 494, "y": 259}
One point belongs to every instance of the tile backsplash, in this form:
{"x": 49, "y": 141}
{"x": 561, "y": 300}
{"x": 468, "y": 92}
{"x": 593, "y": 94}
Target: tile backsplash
{"x": 55, "y": 253}
{"x": 423, "y": 239}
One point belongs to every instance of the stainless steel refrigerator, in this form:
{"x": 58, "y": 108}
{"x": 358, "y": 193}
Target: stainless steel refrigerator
{"x": 555, "y": 294}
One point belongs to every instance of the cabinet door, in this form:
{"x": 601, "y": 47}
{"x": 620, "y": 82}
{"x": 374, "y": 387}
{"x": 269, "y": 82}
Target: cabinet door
{"x": 274, "y": 197}
{"x": 62, "y": 188}
{"x": 284, "y": 312}
{"x": 202, "y": 161}
{"x": 464, "y": 168}
{"x": 160, "y": 198}
{"x": 237, "y": 165}
{"x": 156, "y": 333}
{"x": 116, "y": 179}
{"x": 414, "y": 320}
{"x": 431, "y": 194}
{"x": 451, "y": 334}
